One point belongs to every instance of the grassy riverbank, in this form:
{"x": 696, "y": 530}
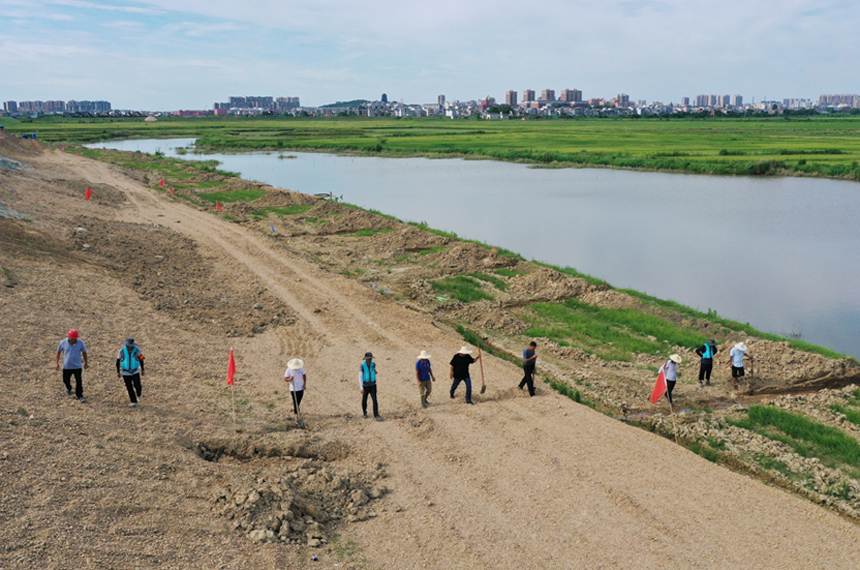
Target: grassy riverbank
{"x": 802, "y": 146}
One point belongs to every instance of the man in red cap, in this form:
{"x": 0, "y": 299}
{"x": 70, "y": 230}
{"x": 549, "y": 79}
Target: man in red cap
{"x": 73, "y": 350}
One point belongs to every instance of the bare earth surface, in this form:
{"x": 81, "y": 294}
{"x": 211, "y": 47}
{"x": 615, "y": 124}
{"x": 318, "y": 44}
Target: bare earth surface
{"x": 512, "y": 482}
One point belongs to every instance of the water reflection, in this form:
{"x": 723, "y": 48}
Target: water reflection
{"x": 779, "y": 253}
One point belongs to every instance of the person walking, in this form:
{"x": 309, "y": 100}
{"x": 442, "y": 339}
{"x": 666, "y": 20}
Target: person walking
{"x": 707, "y": 352}
{"x": 670, "y": 372}
{"x": 529, "y": 362}
{"x": 460, "y": 372}
{"x": 298, "y": 381}
{"x": 425, "y": 377}
{"x": 74, "y": 351}
{"x": 367, "y": 378}
{"x": 129, "y": 367}
{"x": 736, "y": 359}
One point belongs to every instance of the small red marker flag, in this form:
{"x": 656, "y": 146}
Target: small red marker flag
{"x": 231, "y": 369}
{"x": 172, "y": 193}
{"x": 660, "y": 387}
{"x": 89, "y": 194}
{"x": 161, "y": 183}
{"x": 217, "y": 205}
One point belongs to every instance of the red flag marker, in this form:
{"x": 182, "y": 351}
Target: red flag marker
{"x": 161, "y": 183}
{"x": 172, "y": 193}
{"x": 217, "y": 205}
{"x": 659, "y": 388}
{"x": 89, "y": 194}
{"x": 231, "y": 369}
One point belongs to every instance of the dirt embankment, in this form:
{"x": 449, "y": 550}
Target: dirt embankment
{"x": 204, "y": 476}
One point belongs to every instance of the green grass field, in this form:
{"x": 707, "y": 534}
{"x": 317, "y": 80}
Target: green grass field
{"x": 819, "y": 145}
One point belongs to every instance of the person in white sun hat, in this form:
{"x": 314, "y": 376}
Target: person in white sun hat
{"x": 670, "y": 371}
{"x": 298, "y": 380}
{"x": 460, "y": 372}
{"x": 736, "y": 359}
{"x": 424, "y": 375}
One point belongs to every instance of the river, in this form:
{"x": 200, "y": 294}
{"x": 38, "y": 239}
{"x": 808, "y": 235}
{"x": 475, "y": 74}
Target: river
{"x": 782, "y": 254}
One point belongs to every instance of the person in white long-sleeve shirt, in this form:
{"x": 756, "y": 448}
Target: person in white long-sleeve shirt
{"x": 670, "y": 373}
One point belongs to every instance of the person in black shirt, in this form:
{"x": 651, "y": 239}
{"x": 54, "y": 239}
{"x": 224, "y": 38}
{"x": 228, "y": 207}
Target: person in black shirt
{"x": 529, "y": 362}
{"x": 707, "y": 352}
{"x": 460, "y": 372}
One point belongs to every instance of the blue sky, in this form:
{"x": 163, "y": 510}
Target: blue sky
{"x": 187, "y": 54}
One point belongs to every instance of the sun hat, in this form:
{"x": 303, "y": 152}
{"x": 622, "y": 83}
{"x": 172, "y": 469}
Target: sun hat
{"x": 73, "y": 333}
{"x": 465, "y": 350}
{"x": 712, "y": 342}
{"x": 368, "y": 355}
{"x": 295, "y": 364}
{"x": 741, "y": 346}
{"x": 423, "y": 355}
{"x": 129, "y": 341}
{"x": 675, "y": 358}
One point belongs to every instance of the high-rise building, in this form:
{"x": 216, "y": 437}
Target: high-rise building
{"x": 528, "y": 95}
{"x": 566, "y": 95}
{"x": 440, "y": 100}
{"x": 725, "y": 101}
{"x": 384, "y": 98}
{"x": 547, "y": 95}
{"x": 577, "y": 95}
{"x": 10, "y": 106}
{"x": 511, "y": 98}
{"x": 739, "y": 101}
{"x": 685, "y": 101}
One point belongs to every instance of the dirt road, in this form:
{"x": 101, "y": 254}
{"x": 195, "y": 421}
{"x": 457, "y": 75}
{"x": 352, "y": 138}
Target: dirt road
{"x": 512, "y": 482}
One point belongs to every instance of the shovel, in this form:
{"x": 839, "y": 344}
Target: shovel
{"x": 752, "y": 377}
{"x": 483, "y": 386}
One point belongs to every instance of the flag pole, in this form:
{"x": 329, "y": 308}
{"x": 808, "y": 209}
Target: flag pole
{"x": 674, "y": 427}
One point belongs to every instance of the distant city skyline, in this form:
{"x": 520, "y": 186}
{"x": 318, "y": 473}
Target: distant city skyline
{"x": 186, "y": 54}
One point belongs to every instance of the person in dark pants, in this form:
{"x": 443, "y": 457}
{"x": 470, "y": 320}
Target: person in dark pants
{"x": 670, "y": 369}
{"x": 298, "y": 381}
{"x": 707, "y": 351}
{"x": 367, "y": 378}
{"x": 73, "y": 350}
{"x": 129, "y": 367}
{"x": 529, "y": 362}
{"x": 424, "y": 376}
{"x": 460, "y": 372}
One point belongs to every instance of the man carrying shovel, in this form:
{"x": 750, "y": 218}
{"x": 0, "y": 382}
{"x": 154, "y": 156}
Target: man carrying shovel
{"x": 297, "y": 379}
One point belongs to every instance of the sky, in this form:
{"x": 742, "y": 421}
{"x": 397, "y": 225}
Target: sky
{"x": 160, "y": 55}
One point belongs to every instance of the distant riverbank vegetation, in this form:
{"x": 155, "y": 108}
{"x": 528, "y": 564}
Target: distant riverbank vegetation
{"x": 826, "y": 145}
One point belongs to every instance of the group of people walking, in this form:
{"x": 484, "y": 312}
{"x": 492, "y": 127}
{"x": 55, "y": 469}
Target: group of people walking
{"x": 129, "y": 366}
{"x": 367, "y": 377}
{"x": 707, "y": 352}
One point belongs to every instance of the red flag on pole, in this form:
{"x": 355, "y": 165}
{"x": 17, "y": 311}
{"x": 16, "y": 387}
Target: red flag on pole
{"x": 231, "y": 369}
{"x": 89, "y": 194}
{"x": 161, "y": 183}
{"x": 660, "y": 387}
{"x": 217, "y": 205}
{"x": 172, "y": 193}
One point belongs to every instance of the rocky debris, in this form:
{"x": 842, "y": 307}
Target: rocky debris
{"x": 547, "y": 284}
{"x": 489, "y": 315}
{"x": 609, "y": 299}
{"x": 463, "y": 257}
{"x": 298, "y": 503}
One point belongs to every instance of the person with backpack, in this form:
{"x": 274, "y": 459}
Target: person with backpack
{"x": 129, "y": 367}
{"x": 707, "y": 352}
{"x": 74, "y": 351}
{"x": 367, "y": 379}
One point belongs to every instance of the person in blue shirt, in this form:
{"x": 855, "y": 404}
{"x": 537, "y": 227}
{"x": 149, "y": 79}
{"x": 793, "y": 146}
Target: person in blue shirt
{"x": 129, "y": 367}
{"x": 74, "y": 351}
{"x": 367, "y": 378}
{"x": 424, "y": 375}
{"x": 706, "y": 352}
{"x": 529, "y": 362}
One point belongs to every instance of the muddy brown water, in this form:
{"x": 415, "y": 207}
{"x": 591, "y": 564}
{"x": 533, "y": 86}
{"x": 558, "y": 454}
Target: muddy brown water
{"x": 778, "y": 253}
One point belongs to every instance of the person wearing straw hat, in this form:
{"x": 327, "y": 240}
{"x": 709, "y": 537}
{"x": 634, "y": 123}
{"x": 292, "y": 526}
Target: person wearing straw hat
{"x": 706, "y": 352}
{"x": 298, "y": 380}
{"x": 424, "y": 375}
{"x": 460, "y": 372}
{"x": 736, "y": 359}
{"x": 74, "y": 351}
{"x": 670, "y": 373}
{"x": 367, "y": 379}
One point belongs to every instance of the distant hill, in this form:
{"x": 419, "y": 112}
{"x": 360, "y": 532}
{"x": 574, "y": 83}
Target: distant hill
{"x": 353, "y": 103}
